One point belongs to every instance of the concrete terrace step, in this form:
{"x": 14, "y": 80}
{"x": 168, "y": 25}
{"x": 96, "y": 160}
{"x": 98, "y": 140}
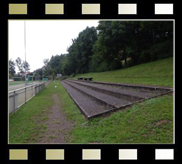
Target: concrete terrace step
{"x": 88, "y": 107}
{"x": 139, "y": 88}
{"x": 97, "y": 98}
{"x": 102, "y": 97}
{"x": 127, "y": 93}
{"x": 91, "y": 97}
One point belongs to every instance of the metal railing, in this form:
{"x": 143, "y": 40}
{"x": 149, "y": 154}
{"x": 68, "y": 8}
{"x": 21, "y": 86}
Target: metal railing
{"x": 20, "y": 96}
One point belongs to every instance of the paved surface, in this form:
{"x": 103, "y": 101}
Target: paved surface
{"x": 95, "y": 99}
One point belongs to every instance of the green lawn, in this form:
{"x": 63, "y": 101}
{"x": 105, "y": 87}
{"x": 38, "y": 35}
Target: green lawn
{"x": 158, "y": 73}
{"x": 27, "y": 124}
{"x": 148, "y": 122}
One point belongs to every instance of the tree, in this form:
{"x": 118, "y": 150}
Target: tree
{"x": 25, "y": 65}
{"x": 113, "y": 45}
{"x": 158, "y": 40}
{"x": 19, "y": 64}
{"x": 46, "y": 67}
{"x": 22, "y": 65}
{"x": 11, "y": 67}
{"x": 80, "y": 52}
{"x": 53, "y": 76}
{"x": 110, "y": 46}
{"x": 136, "y": 41}
{"x": 39, "y": 72}
{"x": 46, "y": 61}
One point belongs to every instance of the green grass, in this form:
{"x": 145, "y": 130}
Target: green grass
{"x": 27, "y": 124}
{"x": 158, "y": 73}
{"x": 137, "y": 124}
{"x": 16, "y": 82}
{"x": 148, "y": 122}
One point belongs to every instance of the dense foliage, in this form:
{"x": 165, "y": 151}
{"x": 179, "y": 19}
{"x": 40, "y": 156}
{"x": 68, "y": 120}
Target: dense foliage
{"x": 113, "y": 45}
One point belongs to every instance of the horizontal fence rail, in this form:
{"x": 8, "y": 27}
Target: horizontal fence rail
{"x": 20, "y": 96}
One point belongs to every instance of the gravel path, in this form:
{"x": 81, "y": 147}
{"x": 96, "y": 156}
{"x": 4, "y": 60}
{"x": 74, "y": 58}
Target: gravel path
{"x": 57, "y": 125}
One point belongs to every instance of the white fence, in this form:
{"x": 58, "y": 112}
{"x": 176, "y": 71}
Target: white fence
{"x": 20, "y": 96}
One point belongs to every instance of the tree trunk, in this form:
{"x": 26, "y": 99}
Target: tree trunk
{"x": 125, "y": 57}
{"x": 153, "y": 36}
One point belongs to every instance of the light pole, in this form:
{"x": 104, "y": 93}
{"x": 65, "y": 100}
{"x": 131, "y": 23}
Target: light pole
{"x": 33, "y": 76}
{"x": 43, "y": 68}
{"x": 25, "y": 52}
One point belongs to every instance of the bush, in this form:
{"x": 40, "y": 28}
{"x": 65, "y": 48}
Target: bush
{"x": 158, "y": 51}
{"x": 62, "y": 78}
{"x": 161, "y": 50}
{"x": 72, "y": 75}
{"x": 145, "y": 56}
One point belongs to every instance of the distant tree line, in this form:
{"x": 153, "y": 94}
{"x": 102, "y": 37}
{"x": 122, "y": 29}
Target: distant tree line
{"x": 113, "y": 45}
{"x": 22, "y": 66}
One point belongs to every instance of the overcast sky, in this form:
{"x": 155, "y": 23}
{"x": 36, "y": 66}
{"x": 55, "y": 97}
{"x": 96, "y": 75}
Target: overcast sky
{"x": 44, "y": 38}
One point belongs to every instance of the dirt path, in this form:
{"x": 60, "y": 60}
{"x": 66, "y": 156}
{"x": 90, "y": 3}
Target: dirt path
{"x": 57, "y": 125}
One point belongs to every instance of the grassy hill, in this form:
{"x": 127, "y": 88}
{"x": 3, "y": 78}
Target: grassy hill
{"x": 148, "y": 122}
{"x": 154, "y": 73}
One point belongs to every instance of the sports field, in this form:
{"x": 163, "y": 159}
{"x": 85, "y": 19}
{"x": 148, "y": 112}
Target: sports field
{"x": 19, "y": 84}
{"x": 16, "y": 82}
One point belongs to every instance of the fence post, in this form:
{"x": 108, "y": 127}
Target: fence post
{"x": 25, "y": 94}
{"x": 35, "y": 89}
{"x": 32, "y": 90}
{"x": 14, "y": 100}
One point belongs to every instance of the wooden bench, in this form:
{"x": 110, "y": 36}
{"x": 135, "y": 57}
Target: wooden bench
{"x": 88, "y": 78}
{"x": 85, "y": 78}
{"x": 81, "y": 78}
